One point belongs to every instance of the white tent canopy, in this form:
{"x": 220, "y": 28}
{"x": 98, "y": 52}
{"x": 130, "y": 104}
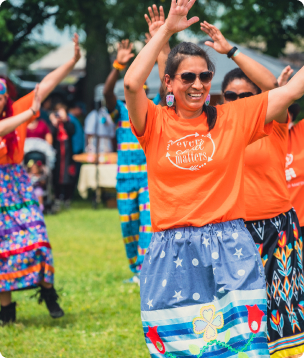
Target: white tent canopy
{"x": 58, "y": 57}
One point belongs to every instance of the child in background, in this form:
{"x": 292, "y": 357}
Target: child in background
{"x": 38, "y": 179}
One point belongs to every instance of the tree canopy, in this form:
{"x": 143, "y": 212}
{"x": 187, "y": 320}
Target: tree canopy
{"x": 105, "y": 21}
{"x": 274, "y": 22}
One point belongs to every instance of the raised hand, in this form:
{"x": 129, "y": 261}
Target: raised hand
{"x": 284, "y": 76}
{"x": 124, "y": 52}
{"x": 155, "y": 21}
{"x": 77, "y": 53}
{"x": 220, "y": 44}
{"x": 37, "y": 100}
{"x": 177, "y": 19}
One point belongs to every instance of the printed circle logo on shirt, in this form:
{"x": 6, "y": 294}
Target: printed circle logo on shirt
{"x": 191, "y": 152}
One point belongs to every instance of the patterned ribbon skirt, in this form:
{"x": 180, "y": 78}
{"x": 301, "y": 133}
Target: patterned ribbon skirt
{"x": 203, "y": 293}
{"x": 25, "y": 251}
{"x": 280, "y": 244}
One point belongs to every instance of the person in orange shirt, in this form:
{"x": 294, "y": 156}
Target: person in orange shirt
{"x": 294, "y": 160}
{"x": 202, "y": 281}
{"x": 25, "y": 253}
{"x": 271, "y": 220}
{"x": 294, "y": 170}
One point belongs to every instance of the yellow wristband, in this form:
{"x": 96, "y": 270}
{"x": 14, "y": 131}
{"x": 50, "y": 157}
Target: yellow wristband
{"x": 118, "y": 66}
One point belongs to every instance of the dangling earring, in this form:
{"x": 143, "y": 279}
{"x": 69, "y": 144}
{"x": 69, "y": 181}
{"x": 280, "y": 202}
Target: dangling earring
{"x": 207, "y": 101}
{"x": 170, "y": 99}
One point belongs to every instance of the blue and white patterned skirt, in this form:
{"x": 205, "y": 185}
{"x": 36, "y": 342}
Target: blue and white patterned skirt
{"x": 203, "y": 293}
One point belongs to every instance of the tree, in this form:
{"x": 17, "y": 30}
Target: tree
{"x": 108, "y": 21}
{"x": 18, "y": 20}
{"x": 275, "y": 22}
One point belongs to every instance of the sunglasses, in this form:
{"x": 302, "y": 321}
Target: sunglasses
{"x": 232, "y": 96}
{"x": 190, "y": 77}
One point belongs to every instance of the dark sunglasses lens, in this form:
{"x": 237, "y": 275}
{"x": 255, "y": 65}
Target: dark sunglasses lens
{"x": 188, "y": 77}
{"x": 206, "y": 77}
{"x": 245, "y": 94}
{"x": 230, "y": 96}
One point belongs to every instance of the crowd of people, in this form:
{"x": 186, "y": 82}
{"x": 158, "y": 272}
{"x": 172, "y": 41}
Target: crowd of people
{"x": 210, "y": 198}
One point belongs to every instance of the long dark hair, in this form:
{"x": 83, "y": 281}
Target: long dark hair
{"x": 176, "y": 56}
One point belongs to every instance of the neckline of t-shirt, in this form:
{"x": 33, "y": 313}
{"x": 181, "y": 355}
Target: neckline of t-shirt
{"x": 201, "y": 118}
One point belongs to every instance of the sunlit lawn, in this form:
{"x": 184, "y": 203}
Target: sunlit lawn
{"x": 102, "y": 314}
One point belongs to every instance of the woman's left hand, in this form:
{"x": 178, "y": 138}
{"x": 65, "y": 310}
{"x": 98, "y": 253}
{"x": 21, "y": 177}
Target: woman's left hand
{"x": 77, "y": 53}
{"x": 37, "y": 100}
{"x": 220, "y": 44}
{"x": 177, "y": 18}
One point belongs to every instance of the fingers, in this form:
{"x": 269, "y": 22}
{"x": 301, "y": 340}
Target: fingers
{"x": 209, "y": 43}
{"x": 156, "y": 13}
{"x": 190, "y": 4}
{"x": 192, "y": 21}
{"x": 162, "y": 14}
{"x": 151, "y": 13}
{"x": 148, "y": 20}
{"x": 76, "y": 38}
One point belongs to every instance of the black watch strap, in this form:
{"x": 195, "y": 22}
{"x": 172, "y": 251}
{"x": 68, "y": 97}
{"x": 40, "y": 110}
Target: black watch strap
{"x": 232, "y": 51}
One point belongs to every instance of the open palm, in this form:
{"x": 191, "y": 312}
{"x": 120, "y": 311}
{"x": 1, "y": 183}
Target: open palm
{"x": 156, "y": 19}
{"x": 220, "y": 44}
{"x": 177, "y": 19}
{"x": 124, "y": 52}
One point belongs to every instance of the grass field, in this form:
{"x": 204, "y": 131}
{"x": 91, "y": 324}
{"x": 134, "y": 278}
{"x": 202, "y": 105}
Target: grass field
{"x": 102, "y": 315}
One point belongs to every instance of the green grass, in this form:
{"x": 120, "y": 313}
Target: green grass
{"x": 102, "y": 315}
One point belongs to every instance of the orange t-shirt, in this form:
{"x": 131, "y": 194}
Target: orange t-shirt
{"x": 196, "y": 176}
{"x": 295, "y": 168}
{"x": 266, "y": 193}
{"x": 19, "y": 106}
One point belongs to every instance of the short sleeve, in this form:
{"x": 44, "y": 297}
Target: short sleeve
{"x": 150, "y": 119}
{"x": 250, "y": 113}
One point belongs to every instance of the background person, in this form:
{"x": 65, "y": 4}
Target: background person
{"x": 132, "y": 182}
{"x": 33, "y": 265}
{"x": 65, "y": 170}
{"x": 271, "y": 220}
{"x": 105, "y": 131}
{"x": 39, "y": 129}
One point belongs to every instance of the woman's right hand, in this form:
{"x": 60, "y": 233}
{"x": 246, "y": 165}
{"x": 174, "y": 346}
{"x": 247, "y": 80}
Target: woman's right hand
{"x": 177, "y": 19}
{"x": 37, "y": 100}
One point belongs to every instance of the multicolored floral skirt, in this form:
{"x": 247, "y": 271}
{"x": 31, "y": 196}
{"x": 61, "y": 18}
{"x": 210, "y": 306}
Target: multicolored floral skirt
{"x": 280, "y": 244}
{"x": 25, "y": 251}
{"x": 203, "y": 293}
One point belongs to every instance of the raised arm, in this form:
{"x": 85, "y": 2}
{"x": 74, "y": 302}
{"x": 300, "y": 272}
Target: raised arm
{"x": 141, "y": 67}
{"x": 50, "y": 81}
{"x": 8, "y": 125}
{"x": 124, "y": 54}
{"x": 281, "y": 98}
{"x": 155, "y": 21}
{"x": 256, "y": 72}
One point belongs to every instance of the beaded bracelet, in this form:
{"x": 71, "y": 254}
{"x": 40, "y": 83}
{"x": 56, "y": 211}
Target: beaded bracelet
{"x": 118, "y": 66}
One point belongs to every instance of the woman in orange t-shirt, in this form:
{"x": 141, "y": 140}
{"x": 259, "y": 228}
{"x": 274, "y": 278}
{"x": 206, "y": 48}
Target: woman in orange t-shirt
{"x": 294, "y": 171}
{"x": 25, "y": 253}
{"x": 272, "y": 221}
{"x": 202, "y": 275}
